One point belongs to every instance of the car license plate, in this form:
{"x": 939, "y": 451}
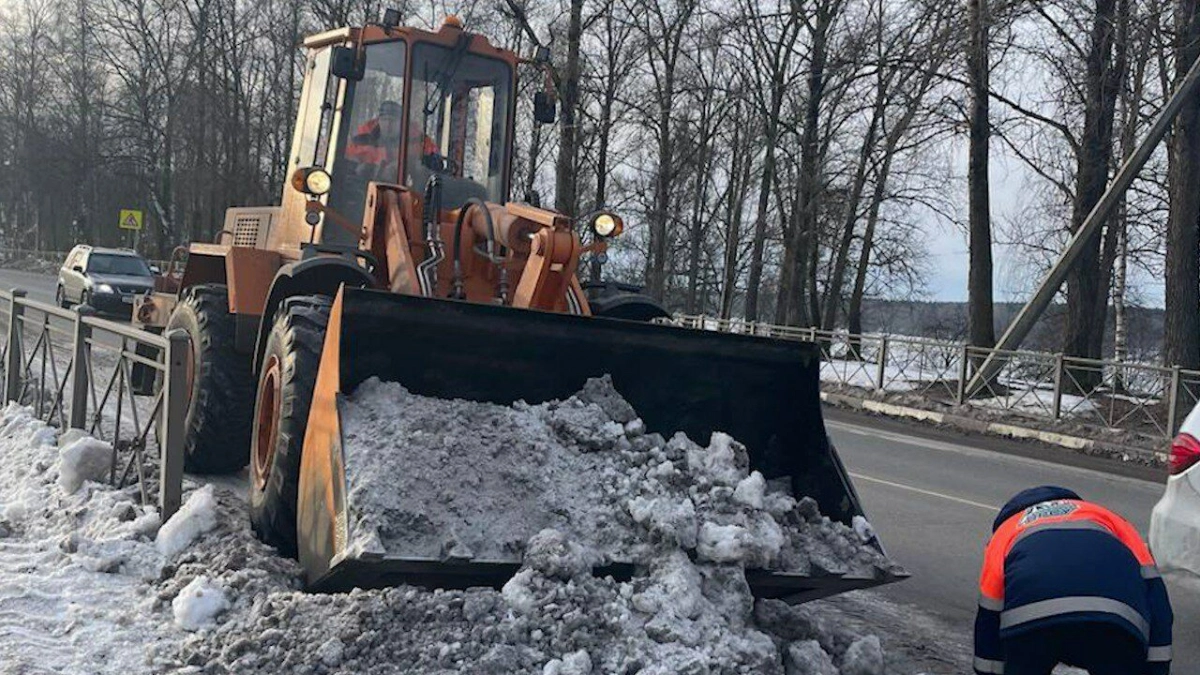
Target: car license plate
{"x": 127, "y": 299}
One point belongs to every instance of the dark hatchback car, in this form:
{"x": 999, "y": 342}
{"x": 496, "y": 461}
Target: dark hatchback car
{"x": 108, "y": 279}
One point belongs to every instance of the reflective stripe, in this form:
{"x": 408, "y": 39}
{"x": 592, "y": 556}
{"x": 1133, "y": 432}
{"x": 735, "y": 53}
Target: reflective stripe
{"x": 1159, "y": 653}
{"x": 989, "y": 666}
{"x": 991, "y": 603}
{"x": 1047, "y": 608}
{"x": 1063, "y": 525}
{"x": 1150, "y": 572}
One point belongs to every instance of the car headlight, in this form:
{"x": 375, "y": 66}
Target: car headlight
{"x": 606, "y": 224}
{"x": 104, "y": 288}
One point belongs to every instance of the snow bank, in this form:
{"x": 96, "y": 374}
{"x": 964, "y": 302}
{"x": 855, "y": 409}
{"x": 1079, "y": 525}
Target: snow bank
{"x": 76, "y": 558}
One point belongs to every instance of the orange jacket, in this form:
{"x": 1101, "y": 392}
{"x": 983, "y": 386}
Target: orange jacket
{"x": 365, "y": 146}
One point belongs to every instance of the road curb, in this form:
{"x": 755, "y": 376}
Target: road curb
{"x": 1087, "y": 446}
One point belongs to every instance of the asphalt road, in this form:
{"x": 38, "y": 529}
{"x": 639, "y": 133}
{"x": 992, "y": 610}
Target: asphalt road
{"x": 932, "y": 498}
{"x": 38, "y": 286}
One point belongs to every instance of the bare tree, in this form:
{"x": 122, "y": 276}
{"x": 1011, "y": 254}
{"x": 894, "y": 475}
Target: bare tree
{"x": 1182, "y": 324}
{"x": 980, "y": 319}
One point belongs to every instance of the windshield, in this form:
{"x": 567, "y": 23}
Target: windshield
{"x": 458, "y": 123}
{"x": 117, "y": 264}
{"x": 370, "y": 135}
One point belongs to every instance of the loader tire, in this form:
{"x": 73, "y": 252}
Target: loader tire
{"x": 285, "y": 391}
{"x": 221, "y": 395}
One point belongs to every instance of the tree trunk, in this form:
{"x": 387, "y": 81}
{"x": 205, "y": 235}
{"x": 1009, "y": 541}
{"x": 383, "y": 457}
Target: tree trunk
{"x": 833, "y": 297}
{"x": 764, "y": 200}
{"x": 980, "y": 318}
{"x": 741, "y": 162}
{"x": 854, "y": 312}
{"x": 1182, "y": 325}
{"x": 1088, "y": 279}
{"x": 566, "y": 181}
{"x": 699, "y": 198}
{"x": 656, "y": 273}
{"x": 803, "y": 239}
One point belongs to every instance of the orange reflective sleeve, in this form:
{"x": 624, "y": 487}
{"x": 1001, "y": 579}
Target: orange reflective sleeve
{"x": 1128, "y": 534}
{"x": 991, "y": 578}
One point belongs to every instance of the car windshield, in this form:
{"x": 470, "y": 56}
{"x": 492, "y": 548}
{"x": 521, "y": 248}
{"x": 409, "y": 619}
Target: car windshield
{"x": 117, "y": 264}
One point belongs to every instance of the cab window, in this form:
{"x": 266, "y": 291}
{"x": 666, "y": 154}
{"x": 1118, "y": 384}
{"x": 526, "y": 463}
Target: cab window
{"x": 370, "y": 133}
{"x": 310, "y": 114}
{"x": 458, "y": 123}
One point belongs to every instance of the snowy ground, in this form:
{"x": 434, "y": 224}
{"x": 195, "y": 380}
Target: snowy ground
{"x": 90, "y": 583}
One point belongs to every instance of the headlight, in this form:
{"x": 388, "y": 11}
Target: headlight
{"x": 104, "y": 288}
{"x": 606, "y": 224}
{"x": 313, "y": 180}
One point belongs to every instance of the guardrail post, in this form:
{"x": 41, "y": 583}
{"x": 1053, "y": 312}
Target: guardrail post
{"x": 881, "y": 366}
{"x": 175, "y": 395}
{"x": 964, "y": 371}
{"x": 1058, "y": 381}
{"x": 79, "y": 368}
{"x": 12, "y": 366}
{"x": 1173, "y": 402}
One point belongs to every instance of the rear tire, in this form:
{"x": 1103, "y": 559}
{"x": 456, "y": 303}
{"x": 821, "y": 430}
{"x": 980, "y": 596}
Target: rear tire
{"x": 285, "y": 390}
{"x": 219, "y": 410}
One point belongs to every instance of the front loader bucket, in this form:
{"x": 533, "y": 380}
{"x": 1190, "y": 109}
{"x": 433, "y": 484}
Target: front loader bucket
{"x": 762, "y": 392}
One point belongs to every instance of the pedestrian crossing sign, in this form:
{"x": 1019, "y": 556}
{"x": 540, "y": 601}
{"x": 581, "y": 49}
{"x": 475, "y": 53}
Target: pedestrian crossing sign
{"x": 131, "y": 219}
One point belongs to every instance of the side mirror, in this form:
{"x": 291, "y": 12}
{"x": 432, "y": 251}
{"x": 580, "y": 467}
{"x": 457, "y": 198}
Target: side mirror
{"x": 344, "y": 63}
{"x": 155, "y": 270}
{"x": 78, "y": 268}
{"x": 545, "y": 111}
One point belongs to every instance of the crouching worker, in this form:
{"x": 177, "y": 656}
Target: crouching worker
{"x": 1068, "y": 581}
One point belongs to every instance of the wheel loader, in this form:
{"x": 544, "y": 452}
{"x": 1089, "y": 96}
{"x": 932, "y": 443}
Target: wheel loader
{"x": 396, "y": 253}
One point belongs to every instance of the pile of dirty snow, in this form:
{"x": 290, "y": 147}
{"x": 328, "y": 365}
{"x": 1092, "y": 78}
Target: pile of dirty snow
{"x": 554, "y": 617}
{"x": 431, "y": 478}
{"x": 90, "y": 582}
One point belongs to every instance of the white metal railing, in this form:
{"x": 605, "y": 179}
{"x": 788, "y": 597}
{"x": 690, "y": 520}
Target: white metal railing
{"x": 1145, "y": 399}
{"x": 123, "y": 385}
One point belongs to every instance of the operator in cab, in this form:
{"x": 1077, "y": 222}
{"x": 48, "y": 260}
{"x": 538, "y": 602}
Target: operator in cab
{"x": 375, "y": 145}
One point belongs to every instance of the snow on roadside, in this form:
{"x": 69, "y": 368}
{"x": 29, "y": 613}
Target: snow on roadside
{"x": 73, "y": 567}
{"x": 86, "y": 588}
{"x": 83, "y": 587}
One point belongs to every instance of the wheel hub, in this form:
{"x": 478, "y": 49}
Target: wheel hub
{"x": 266, "y": 422}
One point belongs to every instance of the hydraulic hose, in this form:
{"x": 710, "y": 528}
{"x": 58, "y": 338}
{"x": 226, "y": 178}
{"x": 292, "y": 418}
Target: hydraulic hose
{"x": 457, "y": 291}
{"x": 427, "y": 270}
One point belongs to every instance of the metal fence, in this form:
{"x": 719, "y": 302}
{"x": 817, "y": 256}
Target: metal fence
{"x": 1145, "y": 399}
{"x": 120, "y": 384}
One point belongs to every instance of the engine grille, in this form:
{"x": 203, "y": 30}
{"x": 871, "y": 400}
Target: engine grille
{"x": 246, "y": 228}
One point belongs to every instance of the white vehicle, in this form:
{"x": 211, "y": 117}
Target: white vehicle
{"x": 1175, "y": 522}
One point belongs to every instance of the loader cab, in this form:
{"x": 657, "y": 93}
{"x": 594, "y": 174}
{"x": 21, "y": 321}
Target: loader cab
{"x": 427, "y": 103}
